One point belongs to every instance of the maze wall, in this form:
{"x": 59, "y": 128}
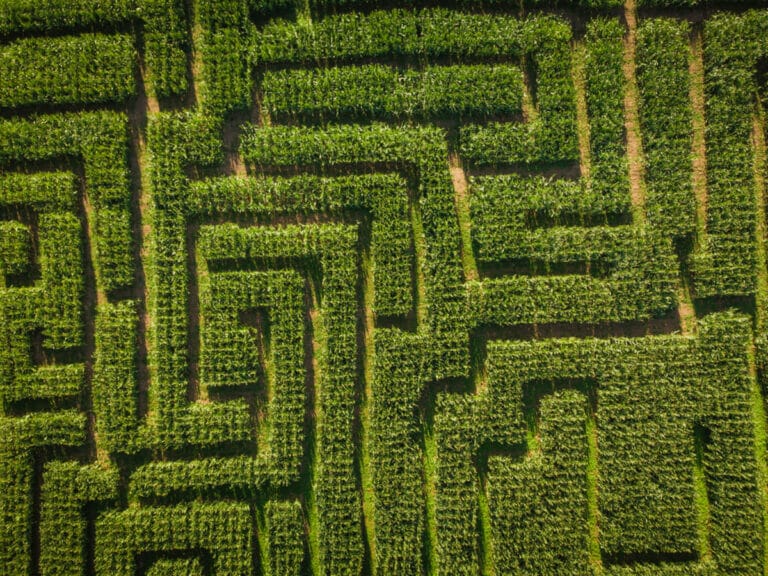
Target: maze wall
{"x": 342, "y": 287}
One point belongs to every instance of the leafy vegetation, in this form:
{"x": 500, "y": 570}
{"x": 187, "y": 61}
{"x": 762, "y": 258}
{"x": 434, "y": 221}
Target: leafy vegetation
{"x": 346, "y": 288}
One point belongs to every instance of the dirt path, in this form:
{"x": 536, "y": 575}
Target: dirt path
{"x": 698, "y": 151}
{"x": 233, "y": 162}
{"x": 631, "y": 117}
{"x": 759, "y": 167}
{"x": 685, "y": 308}
{"x": 461, "y": 188}
{"x": 146, "y": 105}
{"x": 582, "y": 119}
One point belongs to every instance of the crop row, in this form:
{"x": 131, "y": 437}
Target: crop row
{"x": 28, "y": 16}
{"x": 15, "y": 248}
{"x": 334, "y": 246}
{"x": 550, "y": 133}
{"x": 605, "y": 88}
{"x": 229, "y": 351}
{"x": 333, "y": 5}
{"x": 725, "y": 261}
{"x": 338, "y": 543}
{"x": 544, "y": 229}
{"x": 385, "y": 92}
{"x": 398, "y": 33}
{"x": 225, "y": 70}
{"x": 90, "y": 67}
{"x": 418, "y": 34}
{"x": 509, "y": 470}
{"x": 66, "y": 487}
{"x": 171, "y": 567}
{"x": 665, "y": 110}
{"x": 115, "y": 378}
{"x": 74, "y": 69}
{"x": 419, "y": 151}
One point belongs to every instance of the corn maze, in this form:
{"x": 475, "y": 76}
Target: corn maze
{"x": 349, "y": 288}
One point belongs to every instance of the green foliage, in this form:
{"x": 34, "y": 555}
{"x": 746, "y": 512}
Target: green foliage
{"x": 384, "y": 92}
{"x": 223, "y": 530}
{"x": 85, "y": 68}
{"x": 551, "y": 136}
{"x": 229, "y": 350}
{"x": 115, "y": 390}
{"x": 285, "y": 526}
{"x": 225, "y": 75}
{"x": 56, "y": 191}
{"x": 429, "y": 32}
{"x": 588, "y": 4}
{"x": 532, "y": 416}
{"x": 605, "y": 107}
{"x": 99, "y": 140}
{"x": 32, "y": 15}
{"x": 333, "y": 5}
{"x": 165, "y": 46}
{"x": 684, "y": 3}
{"x": 354, "y": 361}
{"x": 332, "y": 246}
{"x": 67, "y": 487}
{"x": 519, "y": 221}
{"x": 215, "y": 15}
{"x": 538, "y": 502}
{"x": 349, "y": 35}
{"x": 50, "y": 252}
{"x": 384, "y": 196}
{"x": 201, "y": 477}
{"x": 226, "y": 83}
{"x": 396, "y": 460}
{"x": 725, "y": 260}
{"x": 19, "y": 436}
{"x": 92, "y": 67}
{"x": 15, "y": 247}
{"x": 62, "y": 280}
{"x": 421, "y": 149}
{"x": 181, "y": 567}
{"x": 666, "y": 121}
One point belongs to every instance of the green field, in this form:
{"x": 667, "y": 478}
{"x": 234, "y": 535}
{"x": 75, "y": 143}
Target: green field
{"x": 359, "y": 288}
